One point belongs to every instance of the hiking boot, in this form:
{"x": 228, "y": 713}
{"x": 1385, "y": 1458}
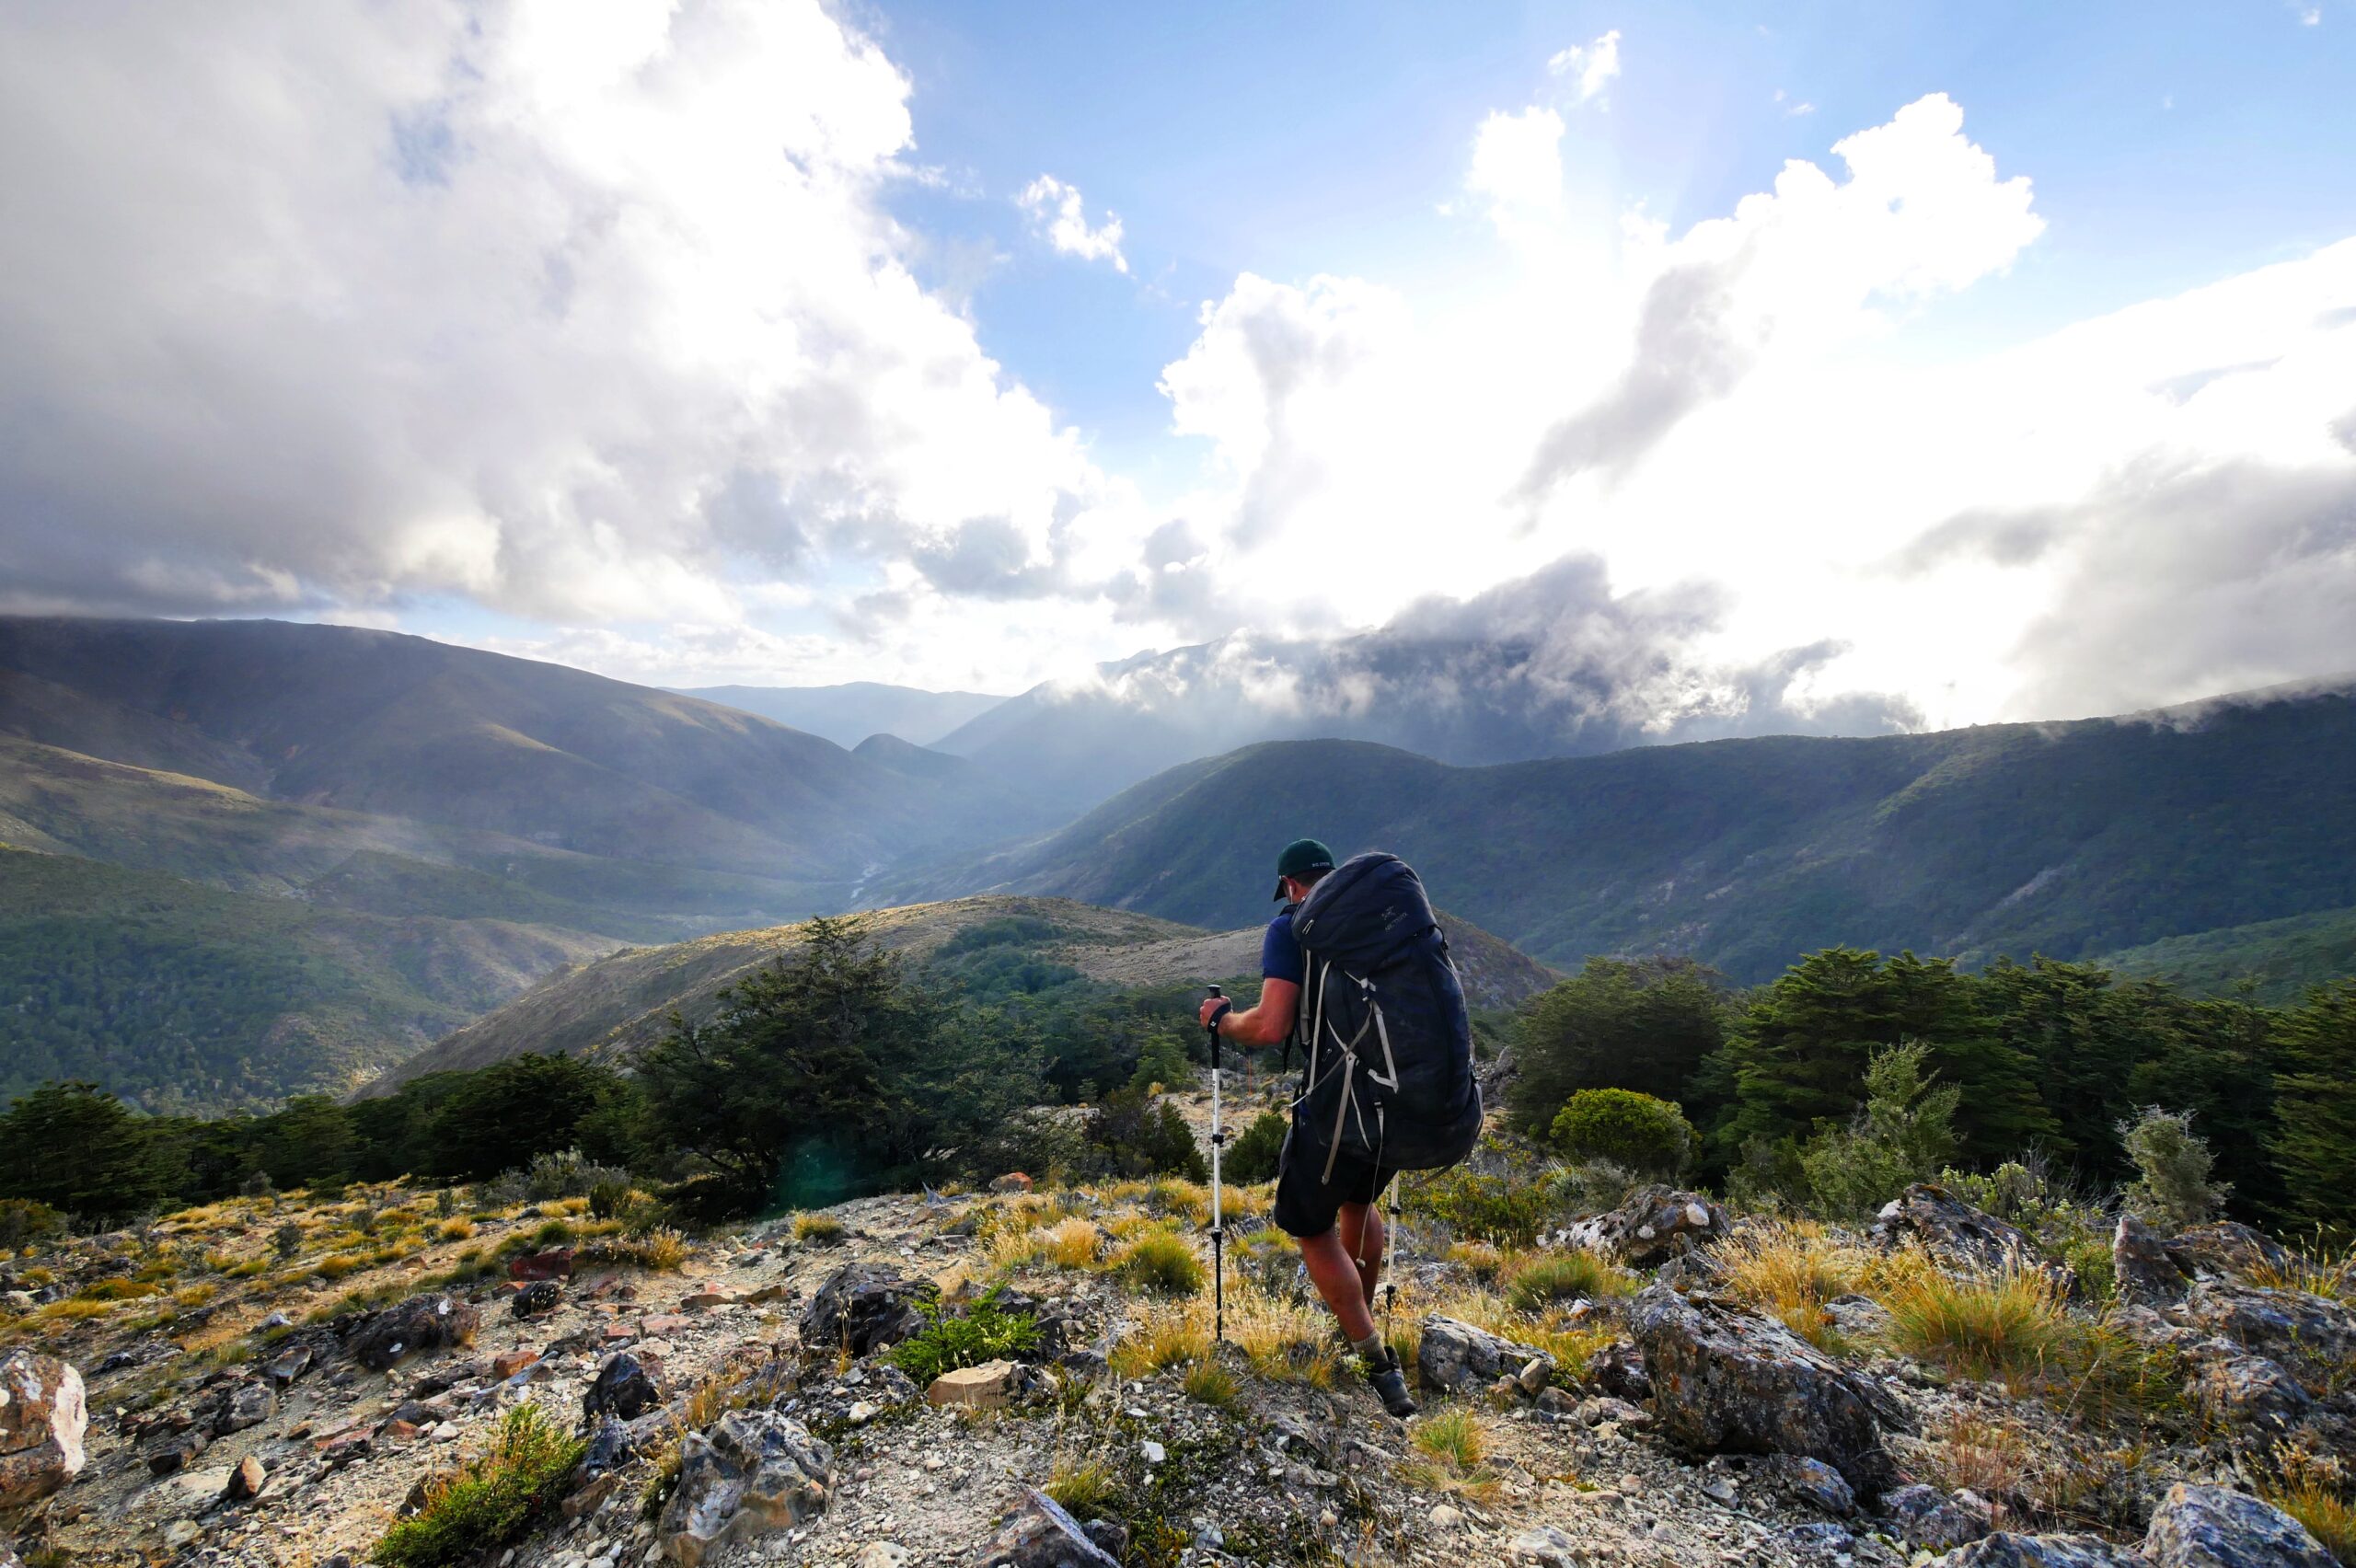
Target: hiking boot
{"x": 1390, "y": 1383}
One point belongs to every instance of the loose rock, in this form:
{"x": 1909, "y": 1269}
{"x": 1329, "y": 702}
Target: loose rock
{"x": 624, "y": 1388}
{"x": 1455, "y": 1356}
{"x": 865, "y": 1306}
{"x": 984, "y": 1387}
{"x": 422, "y": 1322}
{"x": 2211, "y": 1526}
{"x": 2005, "y": 1550}
{"x": 1040, "y": 1534}
{"x": 750, "y": 1473}
{"x": 42, "y": 1417}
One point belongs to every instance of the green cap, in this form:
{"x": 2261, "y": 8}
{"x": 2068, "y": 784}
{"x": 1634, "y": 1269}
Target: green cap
{"x": 1302, "y": 857}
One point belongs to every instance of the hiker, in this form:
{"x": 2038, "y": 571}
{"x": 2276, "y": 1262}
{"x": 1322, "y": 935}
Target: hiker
{"x": 1355, "y": 971}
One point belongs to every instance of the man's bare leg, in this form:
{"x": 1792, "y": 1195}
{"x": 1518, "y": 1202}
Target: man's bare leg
{"x": 1362, "y": 1235}
{"x": 1335, "y": 1274}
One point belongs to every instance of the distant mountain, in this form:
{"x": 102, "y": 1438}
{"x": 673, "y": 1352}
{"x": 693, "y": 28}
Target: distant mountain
{"x": 622, "y": 1003}
{"x": 2276, "y": 960}
{"x": 402, "y": 728}
{"x": 2070, "y": 839}
{"x": 847, "y": 714}
{"x": 183, "y": 997}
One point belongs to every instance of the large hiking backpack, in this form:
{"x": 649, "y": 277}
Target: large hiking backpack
{"x": 1389, "y": 1072}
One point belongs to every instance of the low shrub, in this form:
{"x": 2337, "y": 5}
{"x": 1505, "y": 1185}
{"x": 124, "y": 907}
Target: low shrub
{"x": 1505, "y": 1211}
{"x": 1161, "y": 1261}
{"x": 1253, "y": 1157}
{"x": 2172, "y": 1187}
{"x": 986, "y": 1331}
{"x": 486, "y": 1502}
{"x": 23, "y": 1221}
{"x": 1626, "y": 1128}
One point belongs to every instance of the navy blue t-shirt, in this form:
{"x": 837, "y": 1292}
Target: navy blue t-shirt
{"x": 1280, "y": 952}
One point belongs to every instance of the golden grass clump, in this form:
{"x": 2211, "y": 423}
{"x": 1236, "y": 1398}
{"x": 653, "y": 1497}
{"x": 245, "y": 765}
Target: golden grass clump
{"x": 1206, "y": 1382}
{"x": 2009, "y": 1325}
{"x": 2329, "y": 1517}
{"x": 1074, "y": 1245}
{"x": 1482, "y": 1259}
{"x": 458, "y": 1230}
{"x": 818, "y": 1228}
{"x": 1162, "y": 1262}
{"x": 1456, "y": 1443}
{"x": 1555, "y": 1278}
{"x": 1190, "y": 1201}
{"x": 1789, "y": 1272}
{"x": 1169, "y": 1337}
{"x": 1086, "y": 1489}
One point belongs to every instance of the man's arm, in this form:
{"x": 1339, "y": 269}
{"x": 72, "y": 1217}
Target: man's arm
{"x": 1266, "y": 1024}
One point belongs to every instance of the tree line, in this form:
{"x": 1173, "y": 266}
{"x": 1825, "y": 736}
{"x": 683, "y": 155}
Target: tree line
{"x": 2049, "y": 1061}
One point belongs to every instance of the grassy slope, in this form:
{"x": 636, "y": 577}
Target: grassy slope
{"x": 2068, "y": 840}
{"x": 183, "y": 996}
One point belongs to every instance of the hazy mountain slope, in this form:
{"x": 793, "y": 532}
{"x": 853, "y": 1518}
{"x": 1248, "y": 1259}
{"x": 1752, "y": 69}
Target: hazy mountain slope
{"x": 213, "y": 833}
{"x": 847, "y": 714}
{"x": 2279, "y": 959}
{"x": 178, "y": 996}
{"x": 399, "y": 726}
{"x": 622, "y": 1002}
{"x": 2069, "y": 840}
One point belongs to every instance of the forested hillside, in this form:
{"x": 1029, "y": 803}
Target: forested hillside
{"x": 182, "y": 997}
{"x": 2064, "y": 839}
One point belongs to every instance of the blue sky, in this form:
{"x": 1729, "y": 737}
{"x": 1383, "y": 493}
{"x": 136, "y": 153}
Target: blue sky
{"x": 1982, "y": 362}
{"x": 2170, "y": 145}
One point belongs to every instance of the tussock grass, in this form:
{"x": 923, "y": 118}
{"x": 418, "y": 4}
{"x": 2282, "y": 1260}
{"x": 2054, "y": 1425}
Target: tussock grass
{"x": 2332, "y": 1278}
{"x": 1074, "y": 1245}
{"x": 455, "y": 1229}
{"x": 1482, "y": 1259}
{"x": 1087, "y": 1490}
{"x": 1162, "y": 1262}
{"x": 2329, "y": 1517}
{"x": 1170, "y": 1337}
{"x": 818, "y": 1228}
{"x": 2008, "y": 1325}
{"x": 1790, "y": 1272}
{"x": 74, "y": 1309}
{"x": 1541, "y": 1280}
{"x": 488, "y": 1501}
{"x": 1207, "y": 1382}
{"x": 116, "y": 1289}
{"x": 1456, "y": 1443}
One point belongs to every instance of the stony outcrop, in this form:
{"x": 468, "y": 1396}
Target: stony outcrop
{"x": 750, "y": 1474}
{"x": 865, "y": 1306}
{"x": 42, "y": 1417}
{"x": 2006, "y": 1550}
{"x": 2231, "y": 1387}
{"x": 1931, "y": 1520}
{"x": 1458, "y": 1357}
{"x": 430, "y": 1321}
{"x": 2211, "y": 1526}
{"x": 2306, "y": 1333}
{"x": 2147, "y": 1275}
{"x": 1041, "y": 1534}
{"x": 1653, "y": 1226}
{"x": 1727, "y": 1380}
{"x": 2226, "y": 1249}
{"x": 1953, "y": 1231}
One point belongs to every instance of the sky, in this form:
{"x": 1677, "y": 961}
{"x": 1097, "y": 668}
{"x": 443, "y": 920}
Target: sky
{"x": 1962, "y": 363}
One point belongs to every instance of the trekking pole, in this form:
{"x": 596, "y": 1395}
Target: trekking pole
{"x": 1219, "y": 1139}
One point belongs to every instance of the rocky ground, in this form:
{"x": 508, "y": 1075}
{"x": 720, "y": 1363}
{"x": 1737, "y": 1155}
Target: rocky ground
{"x": 1631, "y": 1391}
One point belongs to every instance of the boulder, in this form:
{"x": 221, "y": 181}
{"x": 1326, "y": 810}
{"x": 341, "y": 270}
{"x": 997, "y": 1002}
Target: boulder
{"x": 751, "y": 1473}
{"x": 248, "y": 1404}
{"x": 865, "y": 1306}
{"x": 422, "y": 1322}
{"x": 1619, "y": 1370}
{"x": 1040, "y": 1534}
{"x": 1012, "y": 1182}
{"x": 2005, "y": 1550}
{"x": 554, "y": 1264}
{"x": 981, "y": 1388}
{"x": 2225, "y": 1249}
{"x": 2306, "y": 1333}
{"x": 624, "y": 1388}
{"x": 2231, "y": 1387}
{"x": 247, "y": 1480}
{"x": 285, "y": 1368}
{"x": 610, "y": 1447}
{"x": 2214, "y": 1527}
{"x": 1930, "y": 1520}
{"x": 178, "y": 1450}
{"x": 1727, "y": 1380}
{"x": 1454, "y": 1355}
{"x": 540, "y": 1297}
{"x": 1651, "y": 1226}
{"x": 1814, "y": 1482}
{"x": 1953, "y": 1231}
{"x": 42, "y": 1417}
{"x": 2147, "y": 1275}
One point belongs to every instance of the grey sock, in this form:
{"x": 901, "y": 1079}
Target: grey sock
{"x": 1377, "y": 1354}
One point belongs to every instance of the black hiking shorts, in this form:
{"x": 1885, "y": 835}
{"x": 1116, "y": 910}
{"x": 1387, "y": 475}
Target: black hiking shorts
{"x": 1307, "y": 1204}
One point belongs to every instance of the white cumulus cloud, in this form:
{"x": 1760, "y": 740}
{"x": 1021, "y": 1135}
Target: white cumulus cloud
{"x": 1590, "y": 68}
{"x": 1060, "y": 217}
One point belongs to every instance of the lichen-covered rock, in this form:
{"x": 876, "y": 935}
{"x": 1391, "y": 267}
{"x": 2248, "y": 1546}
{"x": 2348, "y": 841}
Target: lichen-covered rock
{"x": 42, "y": 1416}
{"x": 1619, "y": 1370}
{"x": 624, "y": 1388}
{"x": 2147, "y": 1275}
{"x": 865, "y": 1306}
{"x": 1930, "y": 1520}
{"x": 1727, "y": 1380}
{"x": 1040, "y": 1534}
{"x": 1455, "y": 1356}
{"x": 2233, "y": 1387}
{"x": 2212, "y": 1526}
{"x": 2005, "y": 1550}
{"x": 1953, "y": 1231}
{"x": 248, "y": 1404}
{"x": 1813, "y": 1482}
{"x": 422, "y": 1322}
{"x": 751, "y": 1473}
{"x": 2306, "y": 1333}
{"x": 1651, "y": 1226}
{"x": 2226, "y": 1249}
{"x": 542, "y": 1296}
